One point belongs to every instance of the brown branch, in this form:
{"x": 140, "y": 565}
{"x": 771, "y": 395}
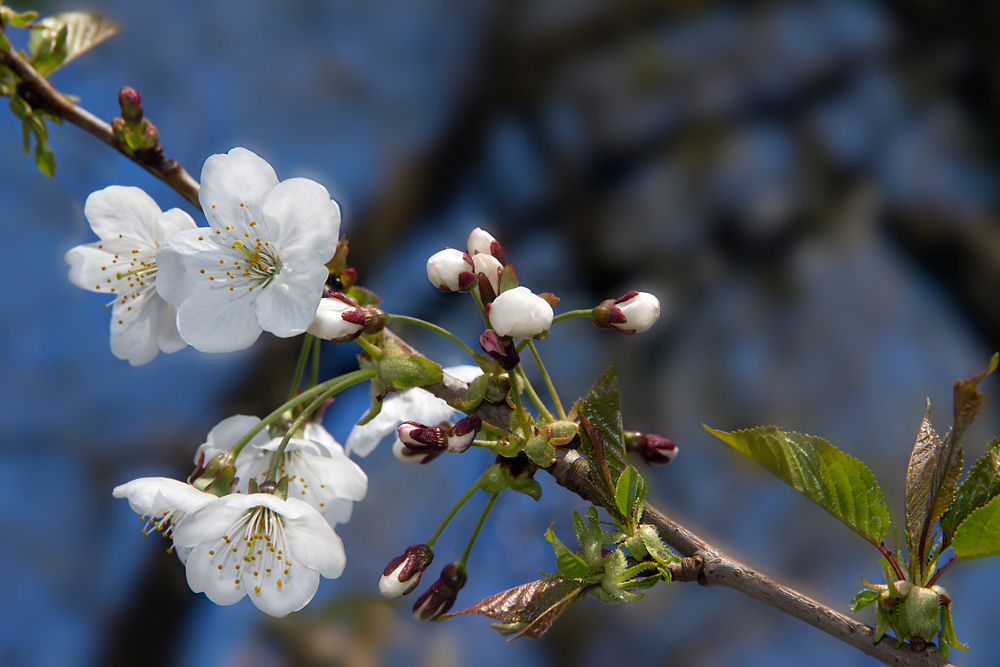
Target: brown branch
{"x": 40, "y": 94}
{"x": 572, "y": 471}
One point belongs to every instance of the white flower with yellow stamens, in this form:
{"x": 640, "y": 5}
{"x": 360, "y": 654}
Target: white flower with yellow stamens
{"x": 259, "y": 265}
{"x": 259, "y": 545}
{"x": 123, "y": 265}
{"x": 162, "y": 503}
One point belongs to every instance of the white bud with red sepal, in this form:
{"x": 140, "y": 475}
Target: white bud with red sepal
{"x": 451, "y": 270}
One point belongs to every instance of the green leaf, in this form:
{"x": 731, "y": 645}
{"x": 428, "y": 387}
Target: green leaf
{"x": 931, "y": 478}
{"x": 968, "y": 400}
{"x": 45, "y": 158}
{"x": 603, "y": 439}
{"x": 60, "y": 38}
{"x": 979, "y": 535}
{"x": 568, "y": 563}
{"x": 630, "y": 496}
{"x": 591, "y": 537}
{"x": 981, "y": 485}
{"x": 864, "y": 598}
{"x": 10, "y": 17}
{"x": 882, "y": 619}
{"x": 19, "y": 107}
{"x": 835, "y": 481}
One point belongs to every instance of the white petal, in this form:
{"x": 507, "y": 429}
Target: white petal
{"x": 303, "y": 222}
{"x": 135, "y": 326}
{"x": 171, "y": 222}
{"x": 213, "y": 319}
{"x": 337, "y": 511}
{"x": 318, "y": 434}
{"x": 298, "y": 585}
{"x": 226, "y": 433}
{"x": 287, "y": 305}
{"x": 180, "y": 260}
{"x": 208, "y": 523}
{"x": 294, "y": 445}
{"x": 204, "y": 575}
{"x": 184, "y": 497}
{"x": 90, "y": 266}
{"x": 273, "y": 503}
{"x": 121, "y": 210}
{"x": 340, "y": 476}
{"x": 141, "y": 493}
{"x": 170, "y": 339}
{"x": 313, "y": 543}
{"x": 239, "y": 177}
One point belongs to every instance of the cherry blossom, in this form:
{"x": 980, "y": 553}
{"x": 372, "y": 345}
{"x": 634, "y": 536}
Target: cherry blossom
{"x": 520, "y": 313}
{"x": 122, "y": 264}
{"x": 260, "y": 266}
{"x": 259, "y": 545}
{"x": 163, "y": 503}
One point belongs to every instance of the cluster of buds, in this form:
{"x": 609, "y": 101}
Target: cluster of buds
{"x": 402, "y": 574}
{"x": 633, "y": 313}
{"x": 654, "y": 449}
{"x": 131, "y": 129}
{"x": 341, "y": 319}
{"x": 439, "y": 598}
{"x": 421, "y": 444}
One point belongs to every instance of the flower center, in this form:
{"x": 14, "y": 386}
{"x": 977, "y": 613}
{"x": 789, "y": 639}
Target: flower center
{"x": 260, "y": 263}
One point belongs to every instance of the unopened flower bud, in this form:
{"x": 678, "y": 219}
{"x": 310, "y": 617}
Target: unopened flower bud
{"x": 461, "y": 435}
{"x": 502, "y": 350}
{"x": 404, "y": 454}
{"x": 375, "y": 319}
{"x": 451, "y": 270}
{"x": 654, "y": 449}
{"x": 440, "y": 597}
{"x": 131, "y": 105}
{"x": 520, "y": 313}
{"x": 338, "y": 319}
{"x": 402, "y": 574}
{"x": 481, "y": 241}
{"x": 420, "y": 438}
{"x": 633, "y": 313}
{"x": 488, "y": 269}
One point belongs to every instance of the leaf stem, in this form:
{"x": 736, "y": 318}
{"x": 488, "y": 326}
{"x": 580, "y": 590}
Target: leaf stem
{"x": 482, "y": 309}
{"x": 368, "y": 347}
{"x": 548, "y": 380}
{"x": 534, "y": 396}
{"x": 572, "y": 313}
{"x": 516, "y": 397}
{"x": 941, "y": 570}
{"x": 307, "y": 342}
{"x": 417, "y": 322}
{"x": 344, "y": 382}
{"x": 314, "y": 369}
{"x": 892, "y": 561}
{"x": 348, "y": 378}
{"x": 475, "y": 531}
{"x": 454, "y": 510}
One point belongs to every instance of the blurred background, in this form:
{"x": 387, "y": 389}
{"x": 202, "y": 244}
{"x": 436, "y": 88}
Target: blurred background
{"x": 809, "y": 187}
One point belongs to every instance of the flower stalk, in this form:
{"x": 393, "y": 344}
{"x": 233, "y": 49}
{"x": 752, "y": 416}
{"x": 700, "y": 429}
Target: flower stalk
{"x": 548, "y": 380}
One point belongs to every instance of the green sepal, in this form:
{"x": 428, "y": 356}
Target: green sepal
{"x": 409, "y": 370}
{"x": 223, "y": 483}
{"x": 645, "y": 582}
{"x": 252, "y": 486}
{"x": 568, "y": 563}
{"x": 616, "y": 580}
{"x": 376, "y": 406}
{"x": 864, "y": 598}
{"x": 281, "y": 490}
{"x": 948, "y": 636}
{"x": 919, "y": 615}
{"x": 837, "y": 482}
{"x": 497, "y": 387}
{"x": 508, "y": 279}
{"x": 657, "y": 550}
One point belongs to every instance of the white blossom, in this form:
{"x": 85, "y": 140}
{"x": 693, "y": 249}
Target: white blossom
{"x": 259, "y": 545}
{"x": 520, "y": 313}
{"x": 489, "y": 266}
{"x": 481, "y": 241}
{"x": 163, "y": 503}
{"x": 227, "y": 433}
{"x": 123, "y": 265}
{"x": 260, "y": 266}
{"x": 410, "y": 405}
{"x": 318, "y": 470}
